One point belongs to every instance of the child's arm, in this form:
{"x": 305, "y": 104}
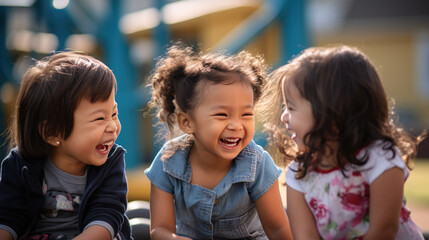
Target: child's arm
{"x": 162, "y": 216}
{"x": 301, "y": 218}
{"x": 94, "y": 232}
{"x": 272, "y": 214}
{"x": 5, "y": 235}
{"x": 385, "y": 201}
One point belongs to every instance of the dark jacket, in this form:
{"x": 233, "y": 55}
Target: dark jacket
{"x": 104, "y": 199}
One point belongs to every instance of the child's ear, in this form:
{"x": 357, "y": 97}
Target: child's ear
{"x": 184, "y": 122}
{"x": 54, "y": 141}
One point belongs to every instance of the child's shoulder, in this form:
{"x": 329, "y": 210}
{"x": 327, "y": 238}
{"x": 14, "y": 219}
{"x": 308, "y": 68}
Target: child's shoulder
{"x": 379, "y": 150}
{"x": 117, "y": 150}
{"x": 175, "y": 145}
{"x": 12, "y": 158}
{"x": 380, "y": 159}
{"x": 16, "y": 163}
{"x": 172, "y": 159}
{"x": 15, "y": 157}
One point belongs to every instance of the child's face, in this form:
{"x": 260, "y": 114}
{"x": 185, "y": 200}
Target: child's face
{"x": 96, "y": 127}
{"x": 223, "y": 122}
{"x": 298, "y": 115}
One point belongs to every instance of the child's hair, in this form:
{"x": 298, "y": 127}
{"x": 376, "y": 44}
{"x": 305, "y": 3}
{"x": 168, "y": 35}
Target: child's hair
{"x": 49, "y": 93}
{"x": 349, "y": 106}
{"x": 176, "y": 76}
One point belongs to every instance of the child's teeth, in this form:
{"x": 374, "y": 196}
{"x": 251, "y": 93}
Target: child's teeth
{"x": 104, "y": 146}
{"x": 230, "y": 142}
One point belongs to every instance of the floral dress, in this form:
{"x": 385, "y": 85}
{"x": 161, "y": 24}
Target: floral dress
{"x": 340, "y": 205}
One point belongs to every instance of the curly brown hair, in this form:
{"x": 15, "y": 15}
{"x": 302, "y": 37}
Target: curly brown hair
{"x": 349, "y": 105}
{"x": 177, "y": 74}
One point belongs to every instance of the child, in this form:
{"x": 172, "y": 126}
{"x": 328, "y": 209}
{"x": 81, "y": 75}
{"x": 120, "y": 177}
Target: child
{"x": 213, "y": 182}
{"x": 348, "y": 176}
{"x": 66, "y": 177}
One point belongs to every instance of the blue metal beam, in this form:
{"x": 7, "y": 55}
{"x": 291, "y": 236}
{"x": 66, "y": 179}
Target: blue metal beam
{"x": 59, "y": 23}
{"x": 253, "y": 26}
{"x": 5, "y": 61}
{"x": 161, "y": 34}
{"x": 291, "y": 16}
{"x": 295, "y": 31}
{"x": 116, "y": 56}
{"x": 5, "y": 73}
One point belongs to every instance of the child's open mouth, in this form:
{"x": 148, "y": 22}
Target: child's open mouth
{"x": 104, "y": 146}
{"x": 230, "y": 142}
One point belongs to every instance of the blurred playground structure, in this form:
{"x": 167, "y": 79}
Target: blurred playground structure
{"x": 129, "y": 35}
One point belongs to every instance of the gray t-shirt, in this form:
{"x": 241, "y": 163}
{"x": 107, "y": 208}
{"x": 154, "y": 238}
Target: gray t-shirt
{"x": 63, "y": 193}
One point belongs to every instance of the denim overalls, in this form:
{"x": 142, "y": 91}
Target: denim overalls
{"x": 226, "y": 212}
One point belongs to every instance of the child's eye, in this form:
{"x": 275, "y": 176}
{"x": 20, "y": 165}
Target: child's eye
{"x": 221, "y": 114}
{"x": 99, "y": 119}
{"x": 248, "y": 114}
{"x": 115, "y": 114}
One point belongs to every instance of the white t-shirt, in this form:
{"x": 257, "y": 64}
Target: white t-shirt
{"x": 340, "y": 205}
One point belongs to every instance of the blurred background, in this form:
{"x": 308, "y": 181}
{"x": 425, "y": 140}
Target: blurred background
{"x": 129, "y": 36}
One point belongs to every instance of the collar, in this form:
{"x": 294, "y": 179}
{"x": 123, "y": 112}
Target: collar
{"x": 243, "y": 168}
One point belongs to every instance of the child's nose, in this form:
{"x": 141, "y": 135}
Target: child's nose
{"x": 111, "y": 126}
{"x": 285, "y": 116}
{"x": 235, "y": 124}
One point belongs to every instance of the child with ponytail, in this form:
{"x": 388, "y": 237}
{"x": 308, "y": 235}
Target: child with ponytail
{"x": 212, "y": 181}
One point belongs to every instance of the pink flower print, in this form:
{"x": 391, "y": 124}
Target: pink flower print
{"x": 356, "y": 174}
{"x": 355, "y": 198}
{"x": 405, "y": 214}
{"x": 313, "y": 203}
{"x": 44, "y": 187}
{"x": 359, "y": 218}
{"x": 335, "y": 181}
{"x": 352, "y": 201}
{"x": 342, "y": 226}
{"x": 320, "y": 211}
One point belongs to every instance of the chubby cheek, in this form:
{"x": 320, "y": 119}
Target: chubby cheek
{"x": 250, "y": 133}
{"x": 118, "y": 125}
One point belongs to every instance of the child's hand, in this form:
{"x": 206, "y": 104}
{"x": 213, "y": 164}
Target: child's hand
{"x": 94, "y": 232}
{"x": 183, "y": 238}
{"x": 163, "y": 233}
